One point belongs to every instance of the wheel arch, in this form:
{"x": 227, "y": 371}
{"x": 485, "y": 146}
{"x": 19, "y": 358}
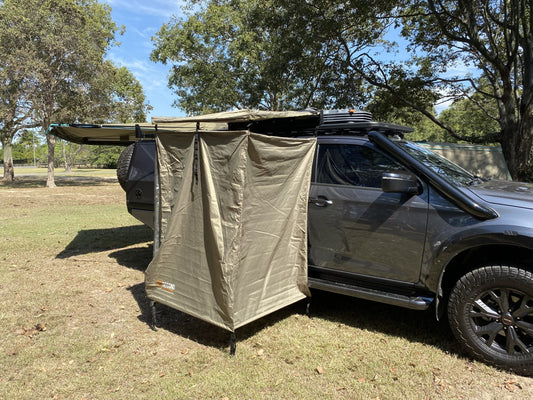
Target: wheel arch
{"x": 477, "y": 257}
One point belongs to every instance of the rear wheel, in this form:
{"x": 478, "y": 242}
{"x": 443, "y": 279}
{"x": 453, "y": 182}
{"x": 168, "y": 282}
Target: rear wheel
{"x": 123, "y": 165}
{"x": 491, "y": 313}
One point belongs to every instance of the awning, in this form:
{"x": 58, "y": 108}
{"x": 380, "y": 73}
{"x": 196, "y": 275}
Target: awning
{"x": 124, "y": 134}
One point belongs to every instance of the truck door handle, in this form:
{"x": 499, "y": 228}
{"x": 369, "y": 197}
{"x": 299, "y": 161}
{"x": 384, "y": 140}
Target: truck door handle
{"x": 320, "y": 201}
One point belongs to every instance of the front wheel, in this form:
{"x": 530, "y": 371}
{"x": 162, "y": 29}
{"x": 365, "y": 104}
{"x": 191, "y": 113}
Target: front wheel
{"x": 491, "y": 314}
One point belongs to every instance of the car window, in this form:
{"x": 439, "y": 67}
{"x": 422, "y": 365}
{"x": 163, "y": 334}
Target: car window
{"x": 442, "y": 166}
{"x": 350, "y": 164}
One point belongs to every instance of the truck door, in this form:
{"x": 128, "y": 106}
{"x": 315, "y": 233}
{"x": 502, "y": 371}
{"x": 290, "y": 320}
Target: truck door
{"x": 354, "y": 226}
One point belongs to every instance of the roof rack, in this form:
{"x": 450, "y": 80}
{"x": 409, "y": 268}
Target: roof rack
{"x": 345, "y": 116}
{"x": 348, "y": 122}
{"x": 363, "y": 128}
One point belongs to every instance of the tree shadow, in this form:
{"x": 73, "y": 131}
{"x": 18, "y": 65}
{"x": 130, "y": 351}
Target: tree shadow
{"x": 37, "y": 181}
{"x": 414, "y": 326}
{"x": 97, "y": 240}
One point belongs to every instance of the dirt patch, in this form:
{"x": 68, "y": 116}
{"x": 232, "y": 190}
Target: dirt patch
{"x": 31, "y": 191}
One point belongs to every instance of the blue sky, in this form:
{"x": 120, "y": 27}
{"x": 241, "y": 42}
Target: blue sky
{"x": 142, "y": 20}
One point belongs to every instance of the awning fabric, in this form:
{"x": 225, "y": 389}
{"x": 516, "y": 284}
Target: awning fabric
{"x": 124, "y": 134}
{"x": 236, "y": 116}
{"x": 233, "y": 224}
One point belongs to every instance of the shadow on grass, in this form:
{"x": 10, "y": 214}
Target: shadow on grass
{"x": 202, "y": 332}
{"x": 414, "y": 326}
{"x": 96, "y": 240}
{"x": 137, "y": 258}
{"x": 36, "y": 181}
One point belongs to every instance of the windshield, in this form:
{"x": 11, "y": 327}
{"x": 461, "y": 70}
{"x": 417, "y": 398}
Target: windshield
{"x": 442, "y": 166}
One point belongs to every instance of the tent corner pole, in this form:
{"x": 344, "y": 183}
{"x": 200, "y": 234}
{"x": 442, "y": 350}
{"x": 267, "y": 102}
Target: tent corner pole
{"x": 157, "y": 206}
{"x": 153, "y": 322}
{"x": 233, "y": 344}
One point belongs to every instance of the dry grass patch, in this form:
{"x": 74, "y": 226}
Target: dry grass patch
{"x": 74, "y": 324}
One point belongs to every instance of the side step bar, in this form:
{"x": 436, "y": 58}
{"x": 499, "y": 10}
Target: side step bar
{"x": 414, "y": 303}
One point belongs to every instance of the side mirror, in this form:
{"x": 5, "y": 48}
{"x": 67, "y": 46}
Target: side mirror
{"x": 400, "y": 182}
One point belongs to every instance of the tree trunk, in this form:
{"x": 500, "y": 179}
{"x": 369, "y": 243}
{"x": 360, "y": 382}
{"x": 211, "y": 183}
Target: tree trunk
{"x": 517, "y": 140}
{"x": 9, "y": 170}
{"x": 67, "y": 157}
{"x": 51, "y": 141}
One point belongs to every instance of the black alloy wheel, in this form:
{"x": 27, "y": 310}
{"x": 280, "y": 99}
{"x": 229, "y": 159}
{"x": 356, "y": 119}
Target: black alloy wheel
{"x": 491, "y": 313}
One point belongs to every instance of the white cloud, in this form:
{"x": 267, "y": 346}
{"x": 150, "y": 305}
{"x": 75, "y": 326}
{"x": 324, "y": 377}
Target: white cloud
{"x": 442, "y": 105}
{"x": 155, "y": 8}
{"x": 461, "y": 69}
{"x": 145, "y": 33}
{"x": 142, "y": 20}
{"x": 148, "y": 73}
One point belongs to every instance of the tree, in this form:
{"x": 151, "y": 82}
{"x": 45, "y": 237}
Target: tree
{"x": 465, "y": 116}
{"x": 297, "y": 53}
{"x": 69, "y": 39}
{"x": 128, "y": 99}
{"x": 105, "y": 156}
{"x": 13, "y": 117}
{"x": 493, "y": 40}
{"x": 15, "y": 110}
{"x": 25, "y": 145}
{"x": 61, "y": 46}
{"x": 116, "y": 96}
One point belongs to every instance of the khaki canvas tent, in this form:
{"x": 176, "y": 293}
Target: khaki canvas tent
{"x": 230, "y": 241}
{"x": 233, "y": 225}
{"x": 232, "y": 221}
{"x": 485, "y": 161}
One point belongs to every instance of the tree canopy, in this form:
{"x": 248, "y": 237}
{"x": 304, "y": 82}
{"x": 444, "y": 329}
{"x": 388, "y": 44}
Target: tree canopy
{"x": 257, "y": 54}
{"x": 479, "y": 51}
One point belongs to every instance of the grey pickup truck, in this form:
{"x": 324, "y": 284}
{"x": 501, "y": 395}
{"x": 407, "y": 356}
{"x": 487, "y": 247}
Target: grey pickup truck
{"x": 392, "y": 222}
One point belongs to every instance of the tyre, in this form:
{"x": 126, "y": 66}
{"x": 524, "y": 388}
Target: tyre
{"x": 491, "y": 314}
{"x": 123, "y": 165}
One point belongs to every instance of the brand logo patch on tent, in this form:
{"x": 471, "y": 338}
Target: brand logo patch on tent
{"x": 169, "y": 287}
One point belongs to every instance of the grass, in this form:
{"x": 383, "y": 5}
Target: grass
{"x": 93, "y": 172}
{"x": 74, "y": 323}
